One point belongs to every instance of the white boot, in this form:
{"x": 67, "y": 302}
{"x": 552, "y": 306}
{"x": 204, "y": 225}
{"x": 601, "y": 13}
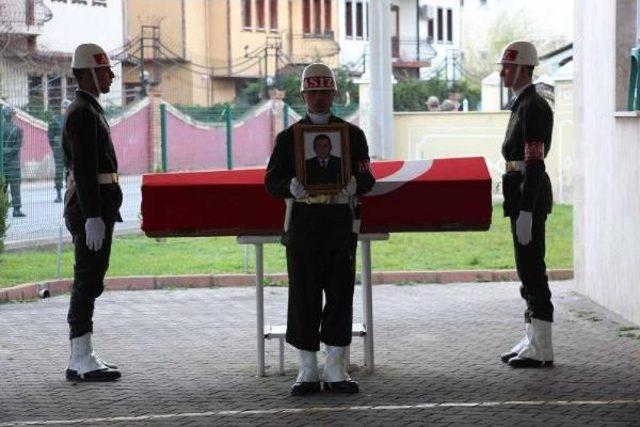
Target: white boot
{"x": 308, "y": 379}
{"x": 539, "y": 349}
{"x": 308, "y": 370}
{"x": 524, "y": 341}
{"x": 336, "y": 376}
{"x": 335, "y": 368}
{"x": 85, "y": 365}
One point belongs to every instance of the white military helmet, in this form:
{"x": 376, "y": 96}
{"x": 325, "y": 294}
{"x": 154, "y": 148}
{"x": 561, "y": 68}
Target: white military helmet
{"x": 519, "y": 53}
{"x": 90, "y": 55}
{"x": 317, "y": 76}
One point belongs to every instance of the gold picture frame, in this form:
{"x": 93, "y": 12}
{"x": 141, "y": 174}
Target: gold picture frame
{"x": 322, "y": 154}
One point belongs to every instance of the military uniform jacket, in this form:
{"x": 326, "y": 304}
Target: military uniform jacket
{"x": 12, "y": 142}
{"x": 327, "y": 226}
{"x": 54, "y": 131}
{"x": 528, "y": 139}
{"x": 88, "y": 151}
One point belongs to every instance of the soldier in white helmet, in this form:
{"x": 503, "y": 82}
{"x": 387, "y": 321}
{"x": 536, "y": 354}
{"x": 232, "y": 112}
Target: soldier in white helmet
{"x": 320, "y": 243}
{"x": 91, "y": 205}
{"x": 527, "y": 201}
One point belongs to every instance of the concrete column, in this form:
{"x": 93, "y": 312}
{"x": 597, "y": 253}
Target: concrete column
{"x": 381, "y": 89}
{"x": 155, "y": 143}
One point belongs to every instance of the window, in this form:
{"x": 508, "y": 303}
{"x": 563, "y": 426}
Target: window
{"x": 327, "y": 15}
{"x": 246, "y": 13}
{"x": 430, "y": 30}
{"x": 273, "y": 14}
{"x": 260, "y": 13}
{"x": 449, "y": 25}
{"x": 359, "y": 17}
{"x": 72, "y": 85}
{"x": 317, "y": 16}
{"x": 36, "y": 92}
{"x": 306, "y": 16}
{"x": 366, "y": 14}
{"x": 349, "y": 19}
{"x": 54, "y": 92}
{"x": 439, "y": 24}
{"x": 29, "y": 12}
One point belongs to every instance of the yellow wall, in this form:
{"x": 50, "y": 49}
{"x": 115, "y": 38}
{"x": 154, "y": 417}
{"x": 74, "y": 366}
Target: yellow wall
{"x": 426, "y": 135}
{"x": 167, "y": 14}
{"x": 211, "y": 37}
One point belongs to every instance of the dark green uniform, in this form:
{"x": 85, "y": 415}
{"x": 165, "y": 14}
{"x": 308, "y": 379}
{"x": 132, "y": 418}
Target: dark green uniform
{"x": 528, "y": 139}
{"x": 12, "y": 137}
{"x": 55, "y": 142}
{"x": 88, "y": 151}
{"x": 320, "y": 246}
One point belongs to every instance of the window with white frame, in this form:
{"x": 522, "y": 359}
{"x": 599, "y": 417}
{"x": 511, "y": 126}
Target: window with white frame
{"x": 440, "y": 21}
{"x": 356, "y": 17}
{"x": 246, "y": 14}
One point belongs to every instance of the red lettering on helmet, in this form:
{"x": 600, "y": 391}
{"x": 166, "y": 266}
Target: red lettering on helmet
{"x": 101, "y": 59}
{"x": 510, "y": 55}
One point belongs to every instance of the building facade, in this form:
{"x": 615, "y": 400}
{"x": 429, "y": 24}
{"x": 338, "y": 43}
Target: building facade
{"x": 35, "y": 65}
{"x": 203, "y": 53}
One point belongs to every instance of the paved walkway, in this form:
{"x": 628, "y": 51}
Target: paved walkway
{"x": 188, "y": 359}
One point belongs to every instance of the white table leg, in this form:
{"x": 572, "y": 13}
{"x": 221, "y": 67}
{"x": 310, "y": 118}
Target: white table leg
{"x": 367, "y": 303}
{"x": 260, "y": 306}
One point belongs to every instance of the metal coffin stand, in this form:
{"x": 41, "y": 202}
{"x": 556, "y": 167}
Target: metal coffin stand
{"x": 364, "y": 330}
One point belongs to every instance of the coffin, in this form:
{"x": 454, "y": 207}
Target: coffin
{"x": 420, "y": 195}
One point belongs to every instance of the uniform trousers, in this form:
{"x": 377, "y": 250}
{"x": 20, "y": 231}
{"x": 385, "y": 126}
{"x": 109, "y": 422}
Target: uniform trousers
{"x": 532, "y": 270}
{"x": 88, "y": 276}
{"x": 320, "y": 259}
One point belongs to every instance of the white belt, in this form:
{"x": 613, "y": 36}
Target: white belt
{"x": 325, "y": 199}
{"x": 108, "y": 178}
{"x": 515, "y": 166}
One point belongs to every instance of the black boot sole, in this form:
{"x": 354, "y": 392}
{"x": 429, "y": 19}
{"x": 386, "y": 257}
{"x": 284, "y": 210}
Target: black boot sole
{"x": 506, "y": 356}
{"x": 101, "y": 375}
{"x": 529, "y": 363}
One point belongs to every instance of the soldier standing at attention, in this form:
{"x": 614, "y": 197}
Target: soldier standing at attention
{"x": 55, "y": 142}
{"x": 91, "y": 205}
{"x": 12, "y": 144}
{"x": 527, "y": 201}
{"x": 320, "y": 243}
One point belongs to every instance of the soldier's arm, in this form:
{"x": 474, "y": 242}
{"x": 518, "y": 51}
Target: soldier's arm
{"x": 361, "y": 163}
{"x": 279, "y": 173}
{"x": 82, "y": 130}
{"x": 537, "y": 124}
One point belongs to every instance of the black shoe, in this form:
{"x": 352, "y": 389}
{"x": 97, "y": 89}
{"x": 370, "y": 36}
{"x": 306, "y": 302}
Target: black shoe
{"x": 302, "y": 389}
{"x": 506, "y": 356}
{"x": 348, "y": 386}
{"x": 99, "y": 375}
{"x": 525, "y": 362}
{"x": 18, "y": 213}
{"x": 58, "y": 199}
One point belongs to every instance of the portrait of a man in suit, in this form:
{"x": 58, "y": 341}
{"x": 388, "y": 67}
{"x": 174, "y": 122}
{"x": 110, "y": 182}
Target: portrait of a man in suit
{"x": 324, "y": 167}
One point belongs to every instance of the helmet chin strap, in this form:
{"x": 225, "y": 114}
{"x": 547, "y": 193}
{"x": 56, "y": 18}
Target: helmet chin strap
{"x": 95, "y": 81}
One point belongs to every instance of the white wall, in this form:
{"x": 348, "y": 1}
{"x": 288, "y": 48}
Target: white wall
{"x": 607, "y": 200}
{"x": 73, "y": 24}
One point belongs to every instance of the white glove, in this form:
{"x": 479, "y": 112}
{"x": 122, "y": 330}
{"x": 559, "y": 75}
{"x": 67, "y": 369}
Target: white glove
{"x": 94, "y": 228}
{"x": 297, "y": 189}
{"x": 350, "y": 189}
{"x": 523, "y": 227}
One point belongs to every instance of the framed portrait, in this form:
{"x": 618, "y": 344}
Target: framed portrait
{"x": 323, "y": 163}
